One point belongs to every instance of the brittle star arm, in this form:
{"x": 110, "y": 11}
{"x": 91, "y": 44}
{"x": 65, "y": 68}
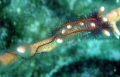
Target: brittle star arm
{"x": 29, "y": 50}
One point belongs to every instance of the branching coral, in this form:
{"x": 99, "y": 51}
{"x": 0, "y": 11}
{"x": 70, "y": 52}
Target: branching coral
{"x": 112, "y": 18}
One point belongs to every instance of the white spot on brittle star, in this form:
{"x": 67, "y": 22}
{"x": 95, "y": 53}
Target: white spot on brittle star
{"x": 92, "y": 24}
{"x": 69, "y": 26}
{"x": 59, "y": 40}
{"x": 105, "y": 19}
{"x": 81, "y": 23}
{"x": 102, "y": 8}
{"x": 63, "y": 31}
{"x": 21, "y": 49}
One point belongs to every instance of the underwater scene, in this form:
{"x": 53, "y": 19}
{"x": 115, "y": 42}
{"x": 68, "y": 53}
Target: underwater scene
{"x": 59, "y": 38}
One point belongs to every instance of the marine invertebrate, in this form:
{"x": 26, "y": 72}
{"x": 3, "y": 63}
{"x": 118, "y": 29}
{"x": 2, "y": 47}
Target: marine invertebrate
{"x": 94, "y": 25}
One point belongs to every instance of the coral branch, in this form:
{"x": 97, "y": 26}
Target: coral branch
{"x": 112, "y": 18}
{"x": 24, "y": 51}
{"x": 8, "y": 58}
